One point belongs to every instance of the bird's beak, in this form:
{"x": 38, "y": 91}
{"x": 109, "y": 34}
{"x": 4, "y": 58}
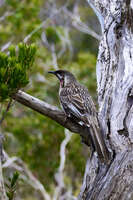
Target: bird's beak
{"x": 52, "y": 72}
{"x": 55, "y": 73}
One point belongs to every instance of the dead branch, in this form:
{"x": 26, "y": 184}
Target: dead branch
{"x": 79, "y": 25}
{"x": 50, "y": 111}
{"x": 59, "y": 176}
{"x": 7, "y": 109}
{"x": 98, "y": 14}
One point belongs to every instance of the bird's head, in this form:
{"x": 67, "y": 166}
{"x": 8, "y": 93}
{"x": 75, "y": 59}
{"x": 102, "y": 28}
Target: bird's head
{"x": 64, "y": 77}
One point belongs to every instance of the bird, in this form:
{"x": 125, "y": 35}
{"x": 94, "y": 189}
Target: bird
{"x": 77, "y": 104}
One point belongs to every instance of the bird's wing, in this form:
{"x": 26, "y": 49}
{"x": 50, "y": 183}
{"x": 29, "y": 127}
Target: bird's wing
{"x": 77, "y": 102}
{"x": 73, "y": 104}
{"x": 80, "y": 105}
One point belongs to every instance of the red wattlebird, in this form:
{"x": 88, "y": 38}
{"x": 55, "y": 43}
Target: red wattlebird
{"x": 77, "y": 104}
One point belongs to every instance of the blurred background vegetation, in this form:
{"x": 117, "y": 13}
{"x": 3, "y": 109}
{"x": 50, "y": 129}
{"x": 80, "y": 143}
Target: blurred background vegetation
{"x": 29, "y": 135}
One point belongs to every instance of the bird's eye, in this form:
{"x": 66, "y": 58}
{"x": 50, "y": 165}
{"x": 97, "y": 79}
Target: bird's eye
{"x": 61, "y": 76}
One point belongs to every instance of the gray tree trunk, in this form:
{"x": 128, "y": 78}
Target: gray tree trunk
{"x": 115, "y": 97}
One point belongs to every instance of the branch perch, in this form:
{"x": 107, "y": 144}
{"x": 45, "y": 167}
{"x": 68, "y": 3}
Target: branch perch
{"x": 59, "y": 116}
{"x": 50, "y": 111}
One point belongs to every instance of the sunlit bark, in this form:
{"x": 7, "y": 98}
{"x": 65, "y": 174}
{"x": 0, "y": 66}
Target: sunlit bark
{"x": 115, "y": 97}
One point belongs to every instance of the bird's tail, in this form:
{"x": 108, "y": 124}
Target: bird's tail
{"x": 99, "y": 143}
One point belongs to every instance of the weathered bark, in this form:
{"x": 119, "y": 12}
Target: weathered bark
{"x": 115, "y": 97}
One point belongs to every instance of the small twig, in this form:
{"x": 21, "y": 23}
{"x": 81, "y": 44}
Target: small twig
{"x": 76, "y": 7}
{"x": 85, "y": 29}
{"x": 9, "y": 161}
{"x": 7, "y": 109}
{"x": 68, "y": 42}
{"x": 34, "y": 31}
{"x": 98, "y": 14}
{"x": 45, "y": 41}
{"x": 3, "y": 195}
{"x": 79, "y": 25}
{"x": 59, "y": 176}
{"x": 6, "y": 46}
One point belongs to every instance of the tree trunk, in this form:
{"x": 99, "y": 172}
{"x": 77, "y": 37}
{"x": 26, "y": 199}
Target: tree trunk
{"x": 115, "y": 98}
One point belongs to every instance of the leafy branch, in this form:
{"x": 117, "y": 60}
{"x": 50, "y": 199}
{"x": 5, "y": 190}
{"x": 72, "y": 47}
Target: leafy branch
{"x": 14, "y": 69}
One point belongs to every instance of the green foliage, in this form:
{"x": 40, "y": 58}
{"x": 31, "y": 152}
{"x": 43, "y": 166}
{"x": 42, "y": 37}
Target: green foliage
{"x": 11, "y": 185}
{"x": 14, "y": 69}
{"x": 37, "y": 141}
